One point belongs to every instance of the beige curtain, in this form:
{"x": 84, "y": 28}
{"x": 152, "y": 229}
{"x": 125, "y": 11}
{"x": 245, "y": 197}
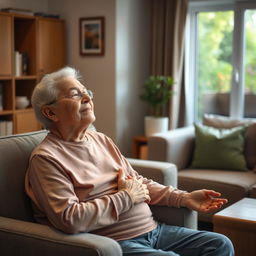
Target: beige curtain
{"x": 168, "y": 30}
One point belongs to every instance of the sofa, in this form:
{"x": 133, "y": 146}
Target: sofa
{"x": 229, "y": 168}
{"x": 20, "y": 235}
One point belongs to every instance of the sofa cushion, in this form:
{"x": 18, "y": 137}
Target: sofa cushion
{"x": 219, "y": 148}
{"x": 218, "y": 121}
{"x": 232, "y": 185}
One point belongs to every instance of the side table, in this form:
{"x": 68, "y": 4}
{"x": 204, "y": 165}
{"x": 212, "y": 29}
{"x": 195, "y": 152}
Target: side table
{"x": 238, "y": 222}
{"x": 139, "y": 147}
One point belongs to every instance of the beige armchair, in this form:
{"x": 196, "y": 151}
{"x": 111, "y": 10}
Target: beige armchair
{"x": 20, "y": 235}
{"x": 177, "y": 146}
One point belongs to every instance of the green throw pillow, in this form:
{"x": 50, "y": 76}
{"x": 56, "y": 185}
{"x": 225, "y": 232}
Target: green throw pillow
{"x": 217, "y": 148}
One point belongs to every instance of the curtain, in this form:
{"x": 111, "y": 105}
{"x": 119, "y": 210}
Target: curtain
{"x": 167, "y": 52}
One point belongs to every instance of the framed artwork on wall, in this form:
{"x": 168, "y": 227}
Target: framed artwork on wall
{"x": 92, "y": 36}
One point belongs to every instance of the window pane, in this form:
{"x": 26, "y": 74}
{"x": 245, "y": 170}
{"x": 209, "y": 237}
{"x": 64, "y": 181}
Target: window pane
{"x": 215, "y": 33}
{"x": 250, "y": 63}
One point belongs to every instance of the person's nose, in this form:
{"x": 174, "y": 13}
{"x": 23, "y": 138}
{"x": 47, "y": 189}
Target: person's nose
{"x": 85, "y": 98}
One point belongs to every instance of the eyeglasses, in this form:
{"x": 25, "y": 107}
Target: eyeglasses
{"x": 75, "y": 94}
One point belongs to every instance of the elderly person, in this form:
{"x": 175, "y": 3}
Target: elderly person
{"x": 79, "y": 181}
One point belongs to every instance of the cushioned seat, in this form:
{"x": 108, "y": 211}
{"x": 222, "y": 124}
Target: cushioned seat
{"x": 233, "y": 185}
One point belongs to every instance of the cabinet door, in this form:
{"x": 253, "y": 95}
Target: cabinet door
{"x": 51, "y": 45}
{"x": 26, "y": 122}
{"x": 5, "y": 45}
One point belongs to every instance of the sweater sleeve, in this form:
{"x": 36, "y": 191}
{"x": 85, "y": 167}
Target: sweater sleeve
{"x": 51, "y": 189}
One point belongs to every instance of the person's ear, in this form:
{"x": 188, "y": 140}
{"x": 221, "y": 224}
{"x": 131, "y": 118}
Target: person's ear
{"x": 49, "y": 113}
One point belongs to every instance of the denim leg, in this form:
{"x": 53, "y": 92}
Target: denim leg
{"x": 144, "y": 245}
{"x": 178, "y": 241}
{"x": 189, "y": 242}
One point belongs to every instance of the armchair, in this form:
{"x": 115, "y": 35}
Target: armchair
{"x": 177, "y": 147}
{"x": 20, "y": 235}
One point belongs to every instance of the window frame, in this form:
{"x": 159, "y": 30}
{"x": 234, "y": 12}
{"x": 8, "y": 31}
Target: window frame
{"x": 236, "y": 109}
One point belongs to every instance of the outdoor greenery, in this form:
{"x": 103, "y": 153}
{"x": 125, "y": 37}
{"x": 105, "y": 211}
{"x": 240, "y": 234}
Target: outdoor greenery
{"x": 215, "y": 35}
{"x": 156, "y": 92}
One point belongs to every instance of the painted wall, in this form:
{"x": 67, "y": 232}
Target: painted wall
{"x": 98, "y": 71}
{"x": 132, "y": 67}
{"x": 116, "y": 78}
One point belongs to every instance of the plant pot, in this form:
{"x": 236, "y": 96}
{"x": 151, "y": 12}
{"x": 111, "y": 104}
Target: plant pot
{"x": 155, "y": 125}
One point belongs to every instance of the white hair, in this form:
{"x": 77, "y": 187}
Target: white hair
{"x": 47, "y": 91}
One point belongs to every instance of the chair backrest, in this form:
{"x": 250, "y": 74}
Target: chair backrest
{"x": 15, "y": 151}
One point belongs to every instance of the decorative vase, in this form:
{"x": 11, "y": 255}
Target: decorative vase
{"x": 155, "y": 125}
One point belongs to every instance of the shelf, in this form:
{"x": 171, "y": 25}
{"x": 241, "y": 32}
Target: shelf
{"x": 5, "y": 77}
{"x": 5, "y": 112}
{"x": 32, "y": 77}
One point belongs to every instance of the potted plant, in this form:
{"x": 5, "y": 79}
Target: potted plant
{"x": 157, "y": 92}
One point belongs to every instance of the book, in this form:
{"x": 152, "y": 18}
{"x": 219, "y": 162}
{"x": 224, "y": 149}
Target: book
{"x": 18, "y": 63}
{"x": 2, "y": 128}
{"x": 8, "y": 128}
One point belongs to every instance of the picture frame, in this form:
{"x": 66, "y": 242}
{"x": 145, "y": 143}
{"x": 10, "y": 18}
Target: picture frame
{"x": 92, "y": 36}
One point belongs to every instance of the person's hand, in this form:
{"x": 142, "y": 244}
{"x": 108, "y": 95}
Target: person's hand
{"x": 134, "y": 187}
{"x": 203, "y": 200}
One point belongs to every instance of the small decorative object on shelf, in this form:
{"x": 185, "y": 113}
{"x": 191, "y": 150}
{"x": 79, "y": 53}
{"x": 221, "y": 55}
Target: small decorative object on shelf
{"x": 18, "y": 11}
{"x": 47, "y": 15}
{"x": 21, "y": 102}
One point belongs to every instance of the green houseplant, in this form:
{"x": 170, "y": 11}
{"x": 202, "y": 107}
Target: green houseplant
{"x": 157, "y": 91}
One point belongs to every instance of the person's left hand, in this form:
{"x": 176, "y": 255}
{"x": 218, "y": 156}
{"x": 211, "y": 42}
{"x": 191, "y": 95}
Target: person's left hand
{"x": 203, "y": 200}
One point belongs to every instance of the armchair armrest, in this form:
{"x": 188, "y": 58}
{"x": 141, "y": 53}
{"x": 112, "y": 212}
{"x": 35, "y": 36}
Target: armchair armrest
{"x": 174, "y": 146}
{"x": 161, "y": 172}
{"x": 182, "y": 217}
{"x": 165, "y": 173}
{"x": 26, "y": 238}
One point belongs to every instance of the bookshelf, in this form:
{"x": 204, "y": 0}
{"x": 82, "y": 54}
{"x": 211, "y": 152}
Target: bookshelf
{"x": 41, "y": 42}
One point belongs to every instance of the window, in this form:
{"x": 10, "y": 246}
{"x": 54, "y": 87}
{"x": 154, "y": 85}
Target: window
{"x": 221, "y": 58}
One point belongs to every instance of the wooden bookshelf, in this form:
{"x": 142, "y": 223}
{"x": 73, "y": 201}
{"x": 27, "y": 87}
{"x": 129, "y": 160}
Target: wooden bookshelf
{"x": 43, "y": 41}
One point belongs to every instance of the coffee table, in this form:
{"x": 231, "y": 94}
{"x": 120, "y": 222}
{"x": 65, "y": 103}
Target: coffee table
{"x": 238, "y": 222}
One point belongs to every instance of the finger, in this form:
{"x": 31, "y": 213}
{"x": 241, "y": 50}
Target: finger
{"x": 121, "y": 174}
{"x": 148, "y": 199}
{"x": 220, "y": 200}
{"x": 210, "y": 193}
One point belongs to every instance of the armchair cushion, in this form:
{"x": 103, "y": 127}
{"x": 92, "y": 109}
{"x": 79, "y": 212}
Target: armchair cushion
{"x": 217, "y": 148}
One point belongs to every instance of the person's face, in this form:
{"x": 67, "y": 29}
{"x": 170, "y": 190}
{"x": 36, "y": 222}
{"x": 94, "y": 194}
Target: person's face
{"x": 74, "y": 105}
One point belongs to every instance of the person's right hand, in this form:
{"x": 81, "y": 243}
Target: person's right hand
{"x": 134, "y": 187}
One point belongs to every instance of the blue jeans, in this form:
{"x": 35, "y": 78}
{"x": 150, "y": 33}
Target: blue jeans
{"x": 178, "y": 241}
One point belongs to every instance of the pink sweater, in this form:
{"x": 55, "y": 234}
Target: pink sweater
{"x": 73, "y": 186}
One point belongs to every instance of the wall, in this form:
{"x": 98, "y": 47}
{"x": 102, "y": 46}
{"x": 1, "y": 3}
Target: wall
{"x": 132, "y": 67}
{"x": 116, "y": 78}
